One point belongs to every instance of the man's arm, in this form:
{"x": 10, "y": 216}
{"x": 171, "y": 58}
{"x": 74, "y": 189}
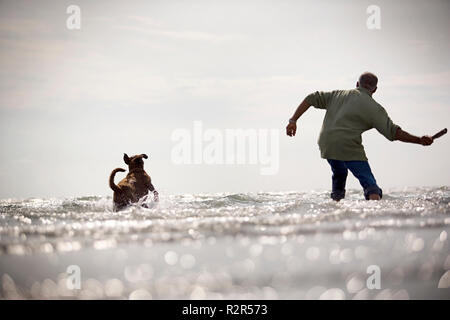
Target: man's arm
{"x": 318, "y": 99}
{"x": 391, "y": 131}
{"x": 406, "y": 137}
{"x": 291, "y": 128}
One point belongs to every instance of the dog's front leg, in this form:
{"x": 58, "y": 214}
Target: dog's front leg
{"x": 155, "y": 193}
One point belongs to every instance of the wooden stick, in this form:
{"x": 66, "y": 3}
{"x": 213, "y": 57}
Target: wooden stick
{"x": 440, "y": 133}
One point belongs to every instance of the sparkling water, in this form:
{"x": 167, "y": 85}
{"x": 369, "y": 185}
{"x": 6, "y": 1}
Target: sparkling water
{"x": 268, "y": 245}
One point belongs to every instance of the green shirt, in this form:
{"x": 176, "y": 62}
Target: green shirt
{"x": 349, "y": 114}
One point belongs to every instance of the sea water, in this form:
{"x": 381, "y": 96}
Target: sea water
{"x": 267, "y": 245}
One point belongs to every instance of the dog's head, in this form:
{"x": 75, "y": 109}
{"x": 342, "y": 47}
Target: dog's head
{"x": 135, "y": 162}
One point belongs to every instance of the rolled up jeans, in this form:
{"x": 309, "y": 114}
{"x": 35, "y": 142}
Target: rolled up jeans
{"x": 361, "y": 170}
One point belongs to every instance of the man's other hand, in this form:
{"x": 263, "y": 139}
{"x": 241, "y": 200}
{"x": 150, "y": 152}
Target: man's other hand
{"x": 291, "y": 129}
{"x": 426, "y": 140}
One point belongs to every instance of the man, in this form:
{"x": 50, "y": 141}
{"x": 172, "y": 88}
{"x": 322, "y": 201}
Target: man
{"x": 349, "y": 113}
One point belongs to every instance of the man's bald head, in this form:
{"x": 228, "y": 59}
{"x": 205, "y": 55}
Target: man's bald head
{"x": 369, "y": 81}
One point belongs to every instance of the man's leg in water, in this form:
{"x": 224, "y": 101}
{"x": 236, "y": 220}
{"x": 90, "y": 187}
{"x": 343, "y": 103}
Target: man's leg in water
{"x": 361, "y": 170}
{"x": 339, "y": 179}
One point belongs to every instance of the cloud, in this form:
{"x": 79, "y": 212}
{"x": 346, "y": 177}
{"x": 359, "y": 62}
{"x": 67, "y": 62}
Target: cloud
{"x": 436, "y": 79}
{"x": 22, "y": 27}
{"x": 150, "y": 26}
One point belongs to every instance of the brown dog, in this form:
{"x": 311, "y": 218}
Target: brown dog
{"x": 134, "y": 186}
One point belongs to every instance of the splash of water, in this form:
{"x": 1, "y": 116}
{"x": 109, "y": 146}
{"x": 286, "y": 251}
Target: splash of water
{"x": 70, "y": 224}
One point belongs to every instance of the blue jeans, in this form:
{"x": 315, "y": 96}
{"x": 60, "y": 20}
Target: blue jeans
{"x": 361, "y": 170}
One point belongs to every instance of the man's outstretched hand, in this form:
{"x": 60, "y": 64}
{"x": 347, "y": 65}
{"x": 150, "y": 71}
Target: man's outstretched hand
{"x": 407, "y": 137}
{"x": 426, "y": 140}
{"x": 291, "y": 129}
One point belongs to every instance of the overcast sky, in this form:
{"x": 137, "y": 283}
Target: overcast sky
{"x": 73, "y": 101}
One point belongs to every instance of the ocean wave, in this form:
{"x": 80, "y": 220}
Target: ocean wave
{"x": 34, "y": 224}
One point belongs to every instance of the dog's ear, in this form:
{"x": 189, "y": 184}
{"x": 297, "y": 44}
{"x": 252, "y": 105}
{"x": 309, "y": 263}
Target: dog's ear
{"x": 126, "y": 158}
{"x": 144, "y": 156}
